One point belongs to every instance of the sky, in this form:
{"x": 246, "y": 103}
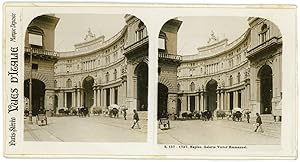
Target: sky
{"x": 72, "y": 28}
{"x": 195, "y": 31}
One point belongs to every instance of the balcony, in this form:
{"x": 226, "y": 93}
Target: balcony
{"x": 265, "y": 46}
{"x": 139, "y": 45}
{"x": 42, "y": 53}
{"x": 163, "y": 56}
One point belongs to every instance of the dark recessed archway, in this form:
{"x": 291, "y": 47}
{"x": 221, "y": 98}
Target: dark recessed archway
{"x": 211, "y": 89}
{"x": 88, "y": 94}
{"x": 266, "y": 89}
{"x": 141, "y": 72}
{"x": 162, "y": 99}
{"x": 38, "y": 95}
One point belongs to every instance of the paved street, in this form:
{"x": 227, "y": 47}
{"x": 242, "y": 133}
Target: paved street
{"x": 219, "y": 132}
{"x": 86, "y": 129}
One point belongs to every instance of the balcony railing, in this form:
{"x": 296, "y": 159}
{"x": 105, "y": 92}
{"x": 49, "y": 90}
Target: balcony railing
{"x": 44, "y": 52}
{"x": 264, "y": 45}
{"x": 164, "y": 55}
{"x": 136, "y": 45}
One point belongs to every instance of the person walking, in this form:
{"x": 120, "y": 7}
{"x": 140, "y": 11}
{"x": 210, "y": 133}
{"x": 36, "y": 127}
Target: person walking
{"x": 248, "y": 116}
{"x": 135, "y": 119}
{"x": 124, "y": 114}
{"x": 258, "y": 123}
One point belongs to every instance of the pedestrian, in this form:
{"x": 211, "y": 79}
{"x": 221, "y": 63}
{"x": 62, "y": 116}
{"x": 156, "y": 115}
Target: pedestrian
{"x": 124, "y": 114}
{"x": 248, "y": 116}
{"x": 135, "y": 119}
{"x": 258, "y": 123}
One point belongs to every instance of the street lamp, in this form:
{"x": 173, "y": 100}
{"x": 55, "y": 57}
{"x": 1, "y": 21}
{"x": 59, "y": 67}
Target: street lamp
{"x": 35, "y": 39}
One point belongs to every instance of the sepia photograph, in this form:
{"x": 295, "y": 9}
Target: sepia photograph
{"x": 86, "y": 78}
{"x": 149, "y": 81}
{"x": 220, "y": 81}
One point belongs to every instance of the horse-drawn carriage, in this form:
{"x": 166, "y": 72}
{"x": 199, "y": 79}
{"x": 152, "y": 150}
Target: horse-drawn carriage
{"x": 237, "y": 114}
{"x": 41, "y": 119}
{"x": 164, "y": 123}
{"x": 83, "y": 111}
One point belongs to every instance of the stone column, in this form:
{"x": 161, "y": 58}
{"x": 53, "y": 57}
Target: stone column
{"x": 82, "y": 97}
{"x": 112, "y": 96}
{"x": 73, "y": 98}
{"x": 65, "y": 99}
{"x": 228, "y": 101}
{"x": 188, "y": 103}
{"x": 119, "y": 95}
{"x": 218, "y": 100}
{"x": 98, "y": 97}
{"x": 104, "y": 98}
{"x": 242, "y": 99}
{"x": 201, "y": 102}
{"x": 78, "y": 97}
{"x": 234, "y": 99}
{"x": 197, "y": 103}
{"x": 60, "y": 96}
{"x": 222, "y": 101}
{"x": 95, "y": 96}
{"x": 205, "y": 101}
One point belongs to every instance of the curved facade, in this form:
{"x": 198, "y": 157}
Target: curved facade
{"x": 102, "y": 72}
{"x": 245, "y": 73}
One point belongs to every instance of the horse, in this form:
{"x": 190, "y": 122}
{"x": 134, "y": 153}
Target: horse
{"x": 83, "y": 112}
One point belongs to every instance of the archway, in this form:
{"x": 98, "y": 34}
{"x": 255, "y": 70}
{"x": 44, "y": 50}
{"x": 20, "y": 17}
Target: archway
{"x": 266, "y": 89}
{"x": 38, "y": 94}
{"x": 211, "y": 88}
{"x": 141, "y": 72}
{"x": 162, "y": 99}
{"x": 88, "y": 94}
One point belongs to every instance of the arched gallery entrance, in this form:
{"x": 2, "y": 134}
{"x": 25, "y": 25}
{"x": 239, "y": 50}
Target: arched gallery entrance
{"x": 211, "y": 98}
{"x": 88, "y": 94}
{"x": 266, "y": 89}
{"x": 38, "y": 95}
{"x": 141, "y": 72}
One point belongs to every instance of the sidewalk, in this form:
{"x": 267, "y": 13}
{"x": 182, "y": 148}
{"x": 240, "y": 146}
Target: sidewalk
{"x": 33, "y": 132}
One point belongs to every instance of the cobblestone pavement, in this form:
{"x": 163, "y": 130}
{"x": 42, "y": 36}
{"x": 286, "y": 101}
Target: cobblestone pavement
{"x": 86, "y": 129}
{"x": 220, "y": 131}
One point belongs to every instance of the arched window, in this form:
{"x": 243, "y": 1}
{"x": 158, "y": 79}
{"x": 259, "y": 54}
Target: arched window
{"x": 192, "y": 86}
{"x": 115, "y": 74}
{"x": 69, "y": 83}
{"x": 55, "y": 83}
{"x": 230, "y": 80}
{"x": 107, "y": 77}
{"x": 141, "y": 32}
{"x": 263, "y": 33}
{"x": 239, "y": 77}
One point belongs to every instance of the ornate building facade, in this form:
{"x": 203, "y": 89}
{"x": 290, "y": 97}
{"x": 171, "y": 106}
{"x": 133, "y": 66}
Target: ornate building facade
{"x": 103, "y": 72}
{"x": 39, "y": 42}
{"x": 245, "y": 73}
{"x": 98, "y": 73}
